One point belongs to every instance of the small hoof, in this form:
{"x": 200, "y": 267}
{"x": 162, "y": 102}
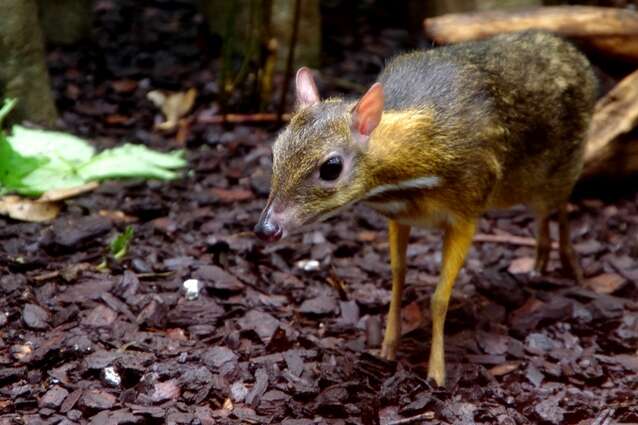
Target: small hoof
{"x": 438, "y": 378}
{"x": 389, "y": 351}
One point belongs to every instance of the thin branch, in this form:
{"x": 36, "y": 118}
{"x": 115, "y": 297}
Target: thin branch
{"x": 427, "y": 416}
{"x": 508, "y": 239}
{"x": 243, "y": 118}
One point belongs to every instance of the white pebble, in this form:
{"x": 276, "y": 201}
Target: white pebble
{"x": 191, "y": 286}
{"x": 238, "y": 392}
{"x": 308, "y": 265}
{"x": 111, "y": 376}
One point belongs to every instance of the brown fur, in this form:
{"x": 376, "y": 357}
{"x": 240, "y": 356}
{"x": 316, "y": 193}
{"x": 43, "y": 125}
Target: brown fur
{"x": 500, "y": 121}
{"x": 464, "y": 129}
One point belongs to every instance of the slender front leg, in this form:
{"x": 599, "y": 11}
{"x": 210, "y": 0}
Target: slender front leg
{"x": 568, "y": 257}
{"x": 398, "y": 238}
{"x": 543, "y": 243}
{"x": 456, "y": 243}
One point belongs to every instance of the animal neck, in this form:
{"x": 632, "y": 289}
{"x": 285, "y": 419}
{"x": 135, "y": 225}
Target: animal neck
{"x": 400, "y": 155}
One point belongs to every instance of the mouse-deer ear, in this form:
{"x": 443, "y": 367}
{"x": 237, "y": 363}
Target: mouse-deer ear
{"x": 366, "y": 114}
{"x": 307, "y": 93}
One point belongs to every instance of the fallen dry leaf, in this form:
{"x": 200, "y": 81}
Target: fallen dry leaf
{"x": 605, "y": 283}
{"x": 367, "y": 236}
{"x": 521, "y": 265}
{"x": 228, "y": 405}
{"x": 118, "y": 119}
{"x": 504, "y": 368}
{"x": 411, "y": 318}
{"x": 61, "y": 194}
{"x": 27, "y": 209}
{"x": 117, "y": 216}
{"x": 174, "y": 105}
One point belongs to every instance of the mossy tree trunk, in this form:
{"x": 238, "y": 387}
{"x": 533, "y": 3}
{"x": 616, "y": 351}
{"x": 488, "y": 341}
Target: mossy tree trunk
{"x": 23, "y": 73}
{"x": 256, "y": 35}
{"x": 65, "y": 21}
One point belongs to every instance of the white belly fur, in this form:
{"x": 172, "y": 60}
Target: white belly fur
{"x": 398, "y": 210}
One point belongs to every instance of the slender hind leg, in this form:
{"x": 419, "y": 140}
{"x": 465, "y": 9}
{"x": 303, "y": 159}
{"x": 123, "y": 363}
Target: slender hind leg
{"x": 568, "y": 257}
{"x": 456, "y": 243}
{"x": 543, "y": 242}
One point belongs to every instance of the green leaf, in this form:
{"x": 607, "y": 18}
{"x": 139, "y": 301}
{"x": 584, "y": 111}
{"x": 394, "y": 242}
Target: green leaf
{"x": 35, "y": 161}
{"x": 119, "y": 245}
{"x": 132, "y": 161}
{"x": 7, "y": 107}
{"x": 50, "y": 160}
{"x": 59, "y": 147}
{"x": 15, "y": 168}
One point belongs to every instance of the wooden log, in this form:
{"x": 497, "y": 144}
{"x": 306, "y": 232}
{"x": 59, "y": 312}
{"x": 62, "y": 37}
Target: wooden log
{"x": 612, "y": 142}
{"x": 610, "y": 31}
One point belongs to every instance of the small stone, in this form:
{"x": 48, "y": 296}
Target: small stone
{"x": 100, "y": 317}
{"x": 111, "y": 377}
{"x": 97, "y": 399}
{"x": 264, "y": 324}
{"x": 54, "y": 397}
{"x": 35, "y": 317}
{"x": 218, "y": 279}
{"x": 549, "y": 410}
{"x": 606, "y": 283}
{"x": 163, "y": 391}
{"x": 534, "y": 376}
{"x": 308, "y": 265}
{"x": 216, "y": 357}
{"x": 22, "y": 352}
{"x": 191, "y": 289}
{"x": 46, "y": 412}
{"x": 521, "y": 265}
{"x": 323, "y": 304}
{"x": 238, "y": 391}
{"x": 74, "y": 414}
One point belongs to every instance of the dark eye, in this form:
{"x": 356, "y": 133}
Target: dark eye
{"x": 331, "y": 169}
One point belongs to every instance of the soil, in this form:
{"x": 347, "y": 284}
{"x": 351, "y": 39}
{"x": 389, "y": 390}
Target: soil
{"x": 286, "y": 333}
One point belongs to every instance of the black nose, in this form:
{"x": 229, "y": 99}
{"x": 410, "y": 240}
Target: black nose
{"x": 268, "y": 231}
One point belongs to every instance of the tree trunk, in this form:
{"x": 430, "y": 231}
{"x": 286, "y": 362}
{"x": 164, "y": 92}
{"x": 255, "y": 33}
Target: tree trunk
{"x": 23, "y": 74}
{"x": 308, "y": 47}
{"x": 279, "y": 19}
{"x": 65, "y": 21}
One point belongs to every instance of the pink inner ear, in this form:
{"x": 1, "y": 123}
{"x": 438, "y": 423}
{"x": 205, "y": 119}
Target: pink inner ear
{"x": 307, "y": 93}
{"x": 367, "y": 114}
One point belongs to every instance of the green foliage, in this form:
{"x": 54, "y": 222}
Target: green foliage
{"x": 7, "y": 106}
{"x": 14, "y": 167}
{"x": 35, "y": 161}
{"x": 119, "y": 245}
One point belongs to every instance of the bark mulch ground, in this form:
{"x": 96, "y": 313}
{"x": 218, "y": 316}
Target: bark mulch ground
{"x": 285, "y": 333}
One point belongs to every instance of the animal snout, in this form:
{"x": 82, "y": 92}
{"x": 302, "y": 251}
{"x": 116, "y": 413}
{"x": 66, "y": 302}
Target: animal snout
{"x": 267, "y": 229}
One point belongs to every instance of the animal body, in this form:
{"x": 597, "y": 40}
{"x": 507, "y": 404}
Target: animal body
{"x": 443, "y": 136}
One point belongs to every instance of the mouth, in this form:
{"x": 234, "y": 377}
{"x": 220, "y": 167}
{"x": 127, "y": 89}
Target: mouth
{"x": 271, "y": 237}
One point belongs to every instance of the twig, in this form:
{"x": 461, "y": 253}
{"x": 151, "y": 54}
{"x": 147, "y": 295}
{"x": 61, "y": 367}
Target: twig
{"x": 506, "y": 238}
{"x": 290, "y": 59}
{"x": 604, "y": 417}
{"x": 243, "y": 118}
{"x": 412, "y": 419}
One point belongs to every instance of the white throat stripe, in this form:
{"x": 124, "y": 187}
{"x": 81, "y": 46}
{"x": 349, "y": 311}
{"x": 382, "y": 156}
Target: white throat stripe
{"x": 418, "y": 183}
